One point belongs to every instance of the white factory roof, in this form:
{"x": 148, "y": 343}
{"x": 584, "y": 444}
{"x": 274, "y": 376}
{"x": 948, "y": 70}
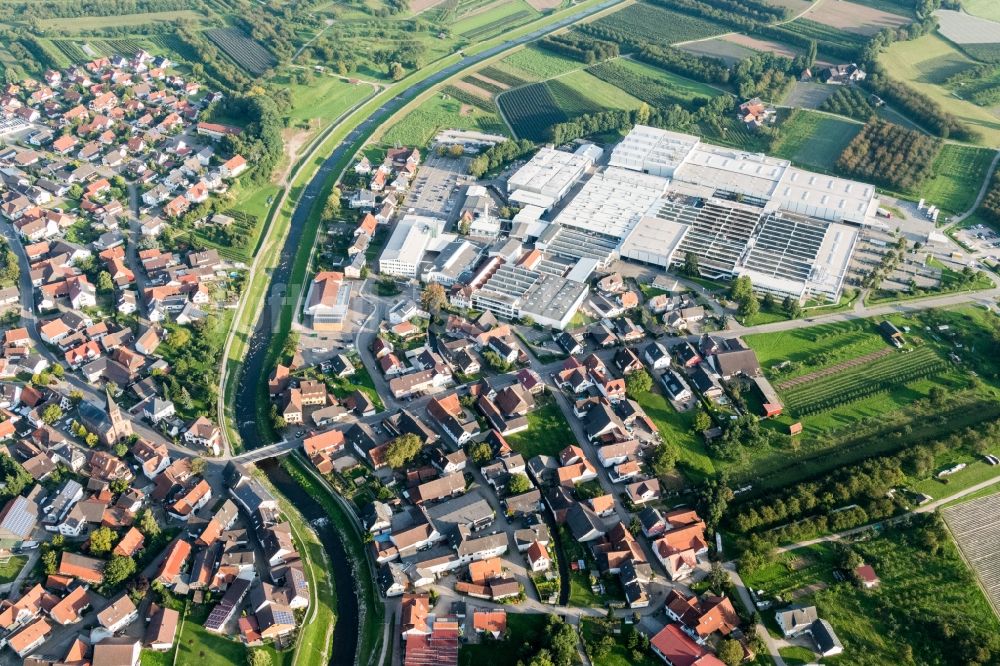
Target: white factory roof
{"x": 612, "y": 201}
{"x": 653, "y": 240}
{"x": 527, "y": 198}
{"x": 688, "y": 161}
{"x": 551, "y": 172}
{"x": 653, "y": 150}
{"x": 411, "y": 238}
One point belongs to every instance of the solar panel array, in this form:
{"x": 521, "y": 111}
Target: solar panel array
{"x": 786, "y": 247}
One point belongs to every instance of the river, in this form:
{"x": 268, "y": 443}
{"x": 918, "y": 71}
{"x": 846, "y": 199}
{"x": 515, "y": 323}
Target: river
{"x": 253, "y": 371}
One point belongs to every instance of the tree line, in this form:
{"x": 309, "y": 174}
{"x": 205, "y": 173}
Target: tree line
{"x": 849, "y": 101}
{"x": 580, "y": 47}
{"x": 260, "y": 142}
{"x": 498, "y": 155}
{"x": 742, "y": 14}
{"x": 890, "y": 155}
{"x": 699, "y": 68}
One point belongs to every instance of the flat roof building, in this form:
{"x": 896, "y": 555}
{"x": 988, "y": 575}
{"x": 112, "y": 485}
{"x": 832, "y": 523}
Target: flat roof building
{"x": 550, "y": 173}
{"x": 413, "y": 236}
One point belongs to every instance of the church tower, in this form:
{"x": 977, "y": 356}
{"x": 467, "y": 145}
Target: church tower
{"x": 121, "y": 427}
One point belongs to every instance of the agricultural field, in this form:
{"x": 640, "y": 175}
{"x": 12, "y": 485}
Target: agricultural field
{"x": 531, "y": 64}
{"x": 988, "y": 9}
{"x": 814, "y": 139}
{"x": 650, "y": 84}
{"x": 765, "y": 45}
{"x": 735, "y": 134}
{"x": 901, "y": 7}
{"x": 85, "y": 23}
{"x": 808, "y": 95}
{"x": 924, "y": 64}
{"x": 727, "y": 51}
{"x": 245, "y": 52}
{"x": 578, "y": 93}
{"x": 962, "y": 28}
{"x": 825, "y": 33}
{"x": 855, "y": 18}
{"x": 976, "y": 527}
{"x": 921, "y": 590}
{"x": 958, "y": 174}
{"x": 498, "y": 18}
{"x": 325, "y": 99}
{"x": 657, "y": 25}
{"x": 441, "y": 111}
{"x": 530, "y": 111}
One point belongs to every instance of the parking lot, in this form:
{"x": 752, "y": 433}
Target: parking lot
{"x": 437, "y": 188}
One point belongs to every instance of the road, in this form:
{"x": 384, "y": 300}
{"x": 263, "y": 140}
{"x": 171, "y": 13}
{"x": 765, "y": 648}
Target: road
{"x": 254, "y": 367}
{"x": 741, "y": 590}
{"x": 926, "y": 508}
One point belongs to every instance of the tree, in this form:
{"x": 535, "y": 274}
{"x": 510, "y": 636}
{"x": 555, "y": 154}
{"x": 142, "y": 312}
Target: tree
{"x": 118, "y": 486}
{"x": 665, "y": 459}
{"x": 433, "y": 298}
{"x": 118, "y": 569}
{"x": 331, "y": 209}
{"x": 691, "y": 266}
{"x": 741, "y": 289}
{"x": 179, "y": 338}
{"x": 52, "y": 413}
{"x": 638, "y": 382}
{"x": 76, "y": 396}
{"x": 791, "y": 307}
{"x": 101, "y": 540}
{"x": 91, "y": 439}
{"x": 57, "y": 371}
{"x": 198, "y": 466}
{"x": 480, "y": 452}
{"x": 768, "y": 301}
{"x": 518, "y": 484}
{"x": 104, "y": 282}
{"x": 50, "y": 561}
{"x": 121, "y": 449}
{"x": 702, "y": 421}
{"x": 147, "y": 523}
{"x": 718, "y": 578}
{"x": 258, "y": 658}
{"x": 749, "y": 307}
{"x": 402, "y": 450}
{"x": 731, "y": 652}
{"x": 396, "y": 71}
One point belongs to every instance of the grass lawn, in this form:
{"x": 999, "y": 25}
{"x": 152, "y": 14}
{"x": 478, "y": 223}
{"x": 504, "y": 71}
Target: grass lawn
{"x": 580, "y": 593}
{"x": 788, "y": 572}
{"x": 196, "y": 646}
{"x": 619, "y": 655}
{"x": 976, "y": 471}
{"x": 925, "y": 63}
{"x": 532, "y": 63}
{"x": 675, "y": 428}
{"x": 439, "y": 112}
{"x": 547, "y": 433}
{"x": 360, "y": 380}
{"x": 10, "y": 569}
{"x": 797, "y": 655}
{"x": 153, "y": 658}
{"x": 959, "y": 172}
{"x": 326, "y": 99}
{"x": 815, "y": 139}
{"x": 523, "y": 629}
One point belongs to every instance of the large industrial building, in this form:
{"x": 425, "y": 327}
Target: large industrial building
{"x": 549, "y": 176}
{"x": 413, "y": 236}
{"x": 667, "y": 194}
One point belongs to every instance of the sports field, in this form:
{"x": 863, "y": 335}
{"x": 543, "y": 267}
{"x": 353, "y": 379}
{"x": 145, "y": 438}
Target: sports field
{"x": 924, "y": 64}
{"x": 815, "y": 139}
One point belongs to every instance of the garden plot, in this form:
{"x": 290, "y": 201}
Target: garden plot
{"x": 962, "y": 28}
{"x": 855, "y": 18}
{"x": 976, "y": 527}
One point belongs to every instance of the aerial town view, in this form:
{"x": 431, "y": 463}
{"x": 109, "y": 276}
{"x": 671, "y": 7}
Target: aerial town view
{"x": 500, "y": 332}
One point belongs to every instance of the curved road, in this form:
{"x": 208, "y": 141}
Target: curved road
{"x": 253, "y": 369}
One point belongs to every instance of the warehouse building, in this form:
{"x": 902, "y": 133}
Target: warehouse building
{"x": 549, "y": 176}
